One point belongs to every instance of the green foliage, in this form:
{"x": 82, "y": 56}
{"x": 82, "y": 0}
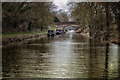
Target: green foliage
{"x": 56, "y": 19}
{"x": 62, "y": 16}
{"x": 24, "y": 16}
{"x": 13, "y": 34}
{"x": 88, "y": 14}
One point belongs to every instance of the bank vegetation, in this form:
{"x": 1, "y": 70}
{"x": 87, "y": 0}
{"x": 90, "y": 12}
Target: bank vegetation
{"x": 102, "y": 19}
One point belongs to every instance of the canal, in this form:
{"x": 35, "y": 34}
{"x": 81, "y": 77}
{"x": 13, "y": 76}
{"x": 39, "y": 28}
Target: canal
{"x": 66, "y": 56}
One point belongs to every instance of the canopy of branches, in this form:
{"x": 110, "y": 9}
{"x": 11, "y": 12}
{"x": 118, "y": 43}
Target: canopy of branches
{"x": 25, "y": 16}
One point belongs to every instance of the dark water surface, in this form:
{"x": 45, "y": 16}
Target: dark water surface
{"x": 66, "y": 56}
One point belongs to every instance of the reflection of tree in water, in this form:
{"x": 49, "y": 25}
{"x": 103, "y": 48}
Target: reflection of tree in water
{"x": 119, "y": 50}
{"x": 106, "y": 60}
{"x": 17, "y": 57}
{"x": 10, "y": 56}
{"x": 39, "y": 45}
{"x": 93, "y": 60}
{"x": 80, "y": 38}
{"x": 119, "y": 61}
{"x": 41, "y": 48}
{"x": 98, "y": 59}
{"x": 39, "y": 41}
{"x": 90, "y": 43}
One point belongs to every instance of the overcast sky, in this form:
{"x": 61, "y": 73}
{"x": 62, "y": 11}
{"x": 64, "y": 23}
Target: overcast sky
{"x": 62, "y": 4}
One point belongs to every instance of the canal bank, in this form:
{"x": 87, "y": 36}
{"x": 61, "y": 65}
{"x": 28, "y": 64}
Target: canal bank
{"x": 10, "y": 38}
{"x": 113, "y": 38}
{"x": 19, "y": 37}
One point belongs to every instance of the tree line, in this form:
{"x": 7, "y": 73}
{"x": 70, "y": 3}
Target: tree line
{"x": 101, "y": 18}
{"x": 23, "y": 16}
{"x": 29, "y": 16}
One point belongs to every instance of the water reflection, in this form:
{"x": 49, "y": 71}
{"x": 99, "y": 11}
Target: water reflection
{"x": 96, "y": 59}
{"x": 67, "y": 56}
{"x": 119, "y": 62}
{"x": 113, "y": 61}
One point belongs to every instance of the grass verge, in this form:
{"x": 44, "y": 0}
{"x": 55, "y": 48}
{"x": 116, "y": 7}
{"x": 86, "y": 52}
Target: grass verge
{"x": 13, "y": 34}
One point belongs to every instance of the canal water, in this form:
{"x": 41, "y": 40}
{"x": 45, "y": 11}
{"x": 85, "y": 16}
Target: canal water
{"x": 66, "y": 56}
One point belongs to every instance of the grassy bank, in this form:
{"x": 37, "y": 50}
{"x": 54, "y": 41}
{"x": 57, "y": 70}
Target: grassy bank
{"x": 20, "y": 36}
{"x": 12, "y": 34}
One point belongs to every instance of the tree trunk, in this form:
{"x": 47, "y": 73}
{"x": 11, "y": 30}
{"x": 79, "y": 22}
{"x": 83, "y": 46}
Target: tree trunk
{"x": 107, "y": 22}
{"x": 119, "y": 31}
{"x": 29, "y": 25}
{"x": 107, "y": 39}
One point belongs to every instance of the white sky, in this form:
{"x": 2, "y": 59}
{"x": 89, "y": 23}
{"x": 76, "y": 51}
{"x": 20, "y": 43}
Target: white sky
{"x": 62, "y": 4}
{"x": 60, "y": 0}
